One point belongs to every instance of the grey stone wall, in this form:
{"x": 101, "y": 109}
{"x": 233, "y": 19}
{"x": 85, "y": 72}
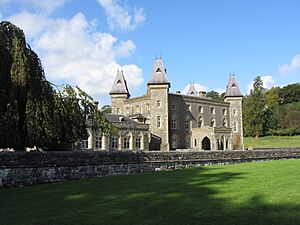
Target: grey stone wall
{"x": 22, "y": 169}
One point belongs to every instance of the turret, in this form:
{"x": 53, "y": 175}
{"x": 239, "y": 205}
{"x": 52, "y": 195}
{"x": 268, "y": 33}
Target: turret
{"x": 234, "y": 96}
{"x": 158, "y": 89}
{"x": 192, "y": 90}
{"x": 119, "y": 93}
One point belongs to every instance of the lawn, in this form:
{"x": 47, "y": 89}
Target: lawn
{"x": 273, "y": 142}
{"x": 251, "y": 193}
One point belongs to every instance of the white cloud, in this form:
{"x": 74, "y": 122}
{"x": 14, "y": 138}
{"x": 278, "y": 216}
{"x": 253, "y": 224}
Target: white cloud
{"x": 121, "y": 17}
{"x": 72, "y": 52}
{"x": 268, "y": 83}
{"x": 126, "y": 48}
{"x": 198, "y": 87}
{"x": 292, "y": 67}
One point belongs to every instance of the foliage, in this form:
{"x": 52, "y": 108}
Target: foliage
{"x": 255, "y": 110}
{"x": 244, "y": 194}
{"x": 106, "y": 109}
{"x": 272, "y": 112}
{"x": 215, "y": 95}
{"x": 32, "y": 113}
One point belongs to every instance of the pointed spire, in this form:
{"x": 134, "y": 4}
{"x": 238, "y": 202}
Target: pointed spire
{"x": 192, "y": 89}
{"x": 159, "y": 73}
{"x": 120, "y": 85}
{"x": 232, "y": 89}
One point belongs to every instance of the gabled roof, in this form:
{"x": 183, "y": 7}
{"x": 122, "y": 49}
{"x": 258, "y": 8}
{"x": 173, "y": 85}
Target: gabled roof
{"x": 120, "y": 85}
{"x": 232, "y": 89}
{"x": 192, "y": 90}
{"x": 159, "y": 74}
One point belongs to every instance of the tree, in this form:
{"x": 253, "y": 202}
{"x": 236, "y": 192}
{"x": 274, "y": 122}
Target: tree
{"x": 254, "y": 110}
{"x": 32, "y": 113}
{"x": 215, "y": 95}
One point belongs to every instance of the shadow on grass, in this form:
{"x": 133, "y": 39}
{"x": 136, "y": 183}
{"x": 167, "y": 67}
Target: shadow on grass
{"x": 185, "y": 197}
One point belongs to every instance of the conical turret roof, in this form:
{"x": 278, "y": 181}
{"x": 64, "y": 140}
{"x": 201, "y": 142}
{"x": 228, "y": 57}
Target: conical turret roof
{"x": 232, "y": 89}
{"x": 159, "y": 73}
{"x": 192, "y": 90}
{"x": 120, "y": 85}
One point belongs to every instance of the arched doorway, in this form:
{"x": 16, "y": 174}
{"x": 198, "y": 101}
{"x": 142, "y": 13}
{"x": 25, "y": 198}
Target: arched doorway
{"x": 206, "y": 144}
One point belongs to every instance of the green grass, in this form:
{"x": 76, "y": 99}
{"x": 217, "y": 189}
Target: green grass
{"x": 273, "y": 142}
{"x": 252, "y": 193}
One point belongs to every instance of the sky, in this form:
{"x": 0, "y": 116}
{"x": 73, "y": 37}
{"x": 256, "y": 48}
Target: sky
{"x": 85, "y": 42}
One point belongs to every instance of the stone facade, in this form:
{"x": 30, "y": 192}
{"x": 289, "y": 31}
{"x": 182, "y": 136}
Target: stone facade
{"x": 127, "y": 135}
{"x": 182, "y": 121}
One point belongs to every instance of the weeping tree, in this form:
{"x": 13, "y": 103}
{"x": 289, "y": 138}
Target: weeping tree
{"x": 32, "y": 112}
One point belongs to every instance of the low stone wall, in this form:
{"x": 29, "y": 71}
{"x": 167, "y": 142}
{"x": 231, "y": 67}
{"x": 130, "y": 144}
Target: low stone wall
{"x": 22, "y": 169}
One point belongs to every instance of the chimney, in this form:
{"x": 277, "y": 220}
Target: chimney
{"x": 202, "y": 94}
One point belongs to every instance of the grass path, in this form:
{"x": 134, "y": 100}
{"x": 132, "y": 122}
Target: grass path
{"x": 251, "y": 193}
{"x": 273, "y": 142}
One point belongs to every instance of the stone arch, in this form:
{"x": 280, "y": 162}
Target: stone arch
{"x": 206, "y": 143}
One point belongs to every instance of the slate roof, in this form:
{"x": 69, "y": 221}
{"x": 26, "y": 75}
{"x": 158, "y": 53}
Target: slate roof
{"x": 159, "y": 73}
{"x": 232, "y": 89}
{"x": 117, "y": 118}
{"x": 120, "y": 85}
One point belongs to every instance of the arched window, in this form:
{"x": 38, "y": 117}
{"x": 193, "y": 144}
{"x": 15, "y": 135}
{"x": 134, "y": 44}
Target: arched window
{"x": 212, "y": 122}
{"x": 200, "y": 121}
{"x": 224, "y": 122}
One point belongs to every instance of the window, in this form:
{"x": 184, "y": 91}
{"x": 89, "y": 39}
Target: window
{"x": 158, "y": 103}
{"x": 200, "y": 121}
{"x": 200, "y": 109}
{"x": 212, "y": 110}
{"x": 224, "y": 112}
{"x": 126, "y": 142}
{"x": 195, "y": 143}
{"x": 188, "y": 108}
{"x": 119, "y": 111}
{"x": 158, "y": 122}
{"x": 137, "y": 108}
{"x": 234, "y": 111}
{"x": 174, "y": 124}
{"x": 234, "y": 127}
{"x": 174, "y": 142}
{"x": 98, "y": 142}
{"x": 224, "y": 122}
{"x": 187, "y": 125}
{"x": 85, "y": 144}
{"x": 114, "y": 142}
{"x": 187, "y": 141}
{"x": 148, "y": 106}
{"x": 173, "y": 107}
{"x": 212, "y": 122}
{"x": 138, "y": 143}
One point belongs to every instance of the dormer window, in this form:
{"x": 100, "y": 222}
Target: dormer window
{"x": 233, "y": 86}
